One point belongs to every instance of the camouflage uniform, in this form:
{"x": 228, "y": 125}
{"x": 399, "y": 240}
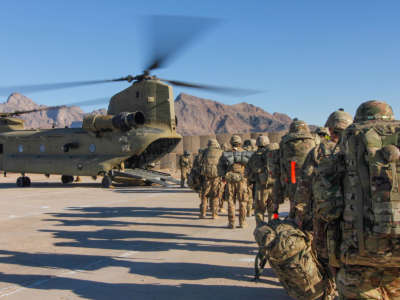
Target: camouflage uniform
{"x": 308, "y": 190}
{"x": 274, "y": 187}
{"x": 363, "y": 205}
{"x": 257, "y": 174}
{"x": 294, "y": 147}
{"x": 185, "y": 164}
{"x": 209, "y": 171}
{"x": 195, "y": 179}
{"x": 251, "y": 146}
{"x": 231, "y": 167}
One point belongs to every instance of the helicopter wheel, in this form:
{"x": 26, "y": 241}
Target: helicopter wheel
{"x": 23, "y": 181}
{"x": 106, "y": 182}
{"x": 65, "y": 179}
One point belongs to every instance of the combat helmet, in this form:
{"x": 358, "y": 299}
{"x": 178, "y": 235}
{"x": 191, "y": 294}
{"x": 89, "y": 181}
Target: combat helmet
{"x": 262, "y": 141}
{"x": 236, "y": 140}
{"x": 298, "y": 126}
{"x": 272, "y": 146}
{"x": 186, "y": 153}
{"x": 339, "y": 120}
{"x": 213, "y": 143}
{"x": 322, "y": 131}
{"x": 374, "y": 110}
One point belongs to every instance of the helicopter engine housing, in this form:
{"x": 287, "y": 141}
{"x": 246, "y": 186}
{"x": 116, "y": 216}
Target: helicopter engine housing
{"x": 123, "y": 121}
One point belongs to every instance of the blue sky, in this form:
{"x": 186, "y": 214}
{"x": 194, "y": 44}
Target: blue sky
{"x": 309, "y": 57}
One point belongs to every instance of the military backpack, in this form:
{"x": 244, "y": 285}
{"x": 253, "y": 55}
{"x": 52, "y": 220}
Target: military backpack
{"x": 371, "y": 215}
{"x": 288, "y": 251}
{"x": 209, "y": 163}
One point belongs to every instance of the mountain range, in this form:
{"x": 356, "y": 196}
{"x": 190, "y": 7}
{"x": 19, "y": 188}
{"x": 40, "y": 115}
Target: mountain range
{"x": 196, "y": 116}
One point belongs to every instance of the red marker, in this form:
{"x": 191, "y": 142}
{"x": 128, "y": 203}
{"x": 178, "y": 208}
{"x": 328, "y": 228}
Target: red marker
{"x": 293, "y": 171}
{"x": 275, "y": 216}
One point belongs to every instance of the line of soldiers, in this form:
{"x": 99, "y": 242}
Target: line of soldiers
{"x": 343, "y": 186}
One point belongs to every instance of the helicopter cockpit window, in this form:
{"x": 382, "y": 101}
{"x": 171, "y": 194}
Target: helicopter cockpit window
{"x": 20, "y": 148}
{"x": 1, "y": 148}
{"x": 42, "y": 148}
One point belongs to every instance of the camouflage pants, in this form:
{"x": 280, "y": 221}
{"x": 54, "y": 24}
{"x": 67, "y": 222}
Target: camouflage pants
{"x": 263, "y": 202}
{"x": 211, "y": 194}
{"x": 250, "y": 203}
{"x": 362, "y": 282}
{"x": 222, "y": 198}
{"x": 237, "y": 192}
{"x": 184, "y": 176}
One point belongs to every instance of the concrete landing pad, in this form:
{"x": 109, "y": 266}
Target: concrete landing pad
{"x": 80, "y": 241}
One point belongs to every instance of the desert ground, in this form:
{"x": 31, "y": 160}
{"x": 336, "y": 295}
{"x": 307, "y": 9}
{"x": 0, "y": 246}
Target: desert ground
{"x": 80, "y": 241}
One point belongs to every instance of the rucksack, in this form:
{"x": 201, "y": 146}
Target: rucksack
{"x": 371, "y": 216}
{"x": 288, "y": 251}
{"x": 209, "y": 164}
{"x": 294, "y": 149}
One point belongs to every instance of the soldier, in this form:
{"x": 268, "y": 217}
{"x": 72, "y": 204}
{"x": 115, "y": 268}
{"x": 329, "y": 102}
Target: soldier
{"x": 231, "y": 167}
{"x": 194, "y": 178}
{"x": 308, "y": 190}
{"x": 274, "y": 187}
{"x": 294, "y": 148}
{"x": 211, "y": 183}
{"x": 185, "y": 164}
{"x": 362, "y": 201}
{"x": 257, "y": 174}
{"x": 250, "y": 145}
{"x": 323, "y": 133}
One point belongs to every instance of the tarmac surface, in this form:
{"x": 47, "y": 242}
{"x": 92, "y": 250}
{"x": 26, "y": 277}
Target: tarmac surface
{"x": 80, "y": 241}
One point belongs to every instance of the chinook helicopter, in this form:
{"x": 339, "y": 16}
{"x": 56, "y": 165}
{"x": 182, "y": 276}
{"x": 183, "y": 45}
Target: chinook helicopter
{"x": 139, "y": 128}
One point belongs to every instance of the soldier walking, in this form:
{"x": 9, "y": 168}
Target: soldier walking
{"x": 257, "y": 173}
{"x": 231, "y": 167}
{"x": 362, "y": 202}
{"x": 294, "y": 147}
{"x": 185, "y": 165}
{"x": 309, "y": 193}
{"x": 212, "y": 186}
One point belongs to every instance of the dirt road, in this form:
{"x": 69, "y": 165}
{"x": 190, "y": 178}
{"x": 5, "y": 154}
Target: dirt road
{"x": 83, "y": 242}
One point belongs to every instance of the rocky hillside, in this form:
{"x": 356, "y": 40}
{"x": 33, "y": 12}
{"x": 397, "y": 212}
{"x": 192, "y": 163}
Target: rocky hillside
{"x": 197, "y": 116}
{"x": 44, "y": 119}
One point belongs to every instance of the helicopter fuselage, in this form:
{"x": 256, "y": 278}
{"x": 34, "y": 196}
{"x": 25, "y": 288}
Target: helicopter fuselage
{"x": 76, "y": 151}
{"x": 140, "y": 128}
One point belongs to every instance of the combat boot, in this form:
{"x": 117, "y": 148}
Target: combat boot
{"x": 203, "y": 211}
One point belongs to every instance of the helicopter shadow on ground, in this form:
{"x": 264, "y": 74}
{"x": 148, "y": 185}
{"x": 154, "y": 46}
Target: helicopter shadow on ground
{"x": 159, "y": 270}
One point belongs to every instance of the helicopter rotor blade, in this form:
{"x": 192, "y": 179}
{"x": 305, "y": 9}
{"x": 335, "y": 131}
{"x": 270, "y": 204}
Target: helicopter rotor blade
{"x": 169, "y": 35}
{"x": 214, "y": 88}
{"x": 7, "y": 90}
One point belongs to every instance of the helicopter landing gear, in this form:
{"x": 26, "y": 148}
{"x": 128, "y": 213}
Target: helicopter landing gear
{"x": 23, "y": 181}
{"x": 65, "y": 179}
{"x": 106, "y": 182}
